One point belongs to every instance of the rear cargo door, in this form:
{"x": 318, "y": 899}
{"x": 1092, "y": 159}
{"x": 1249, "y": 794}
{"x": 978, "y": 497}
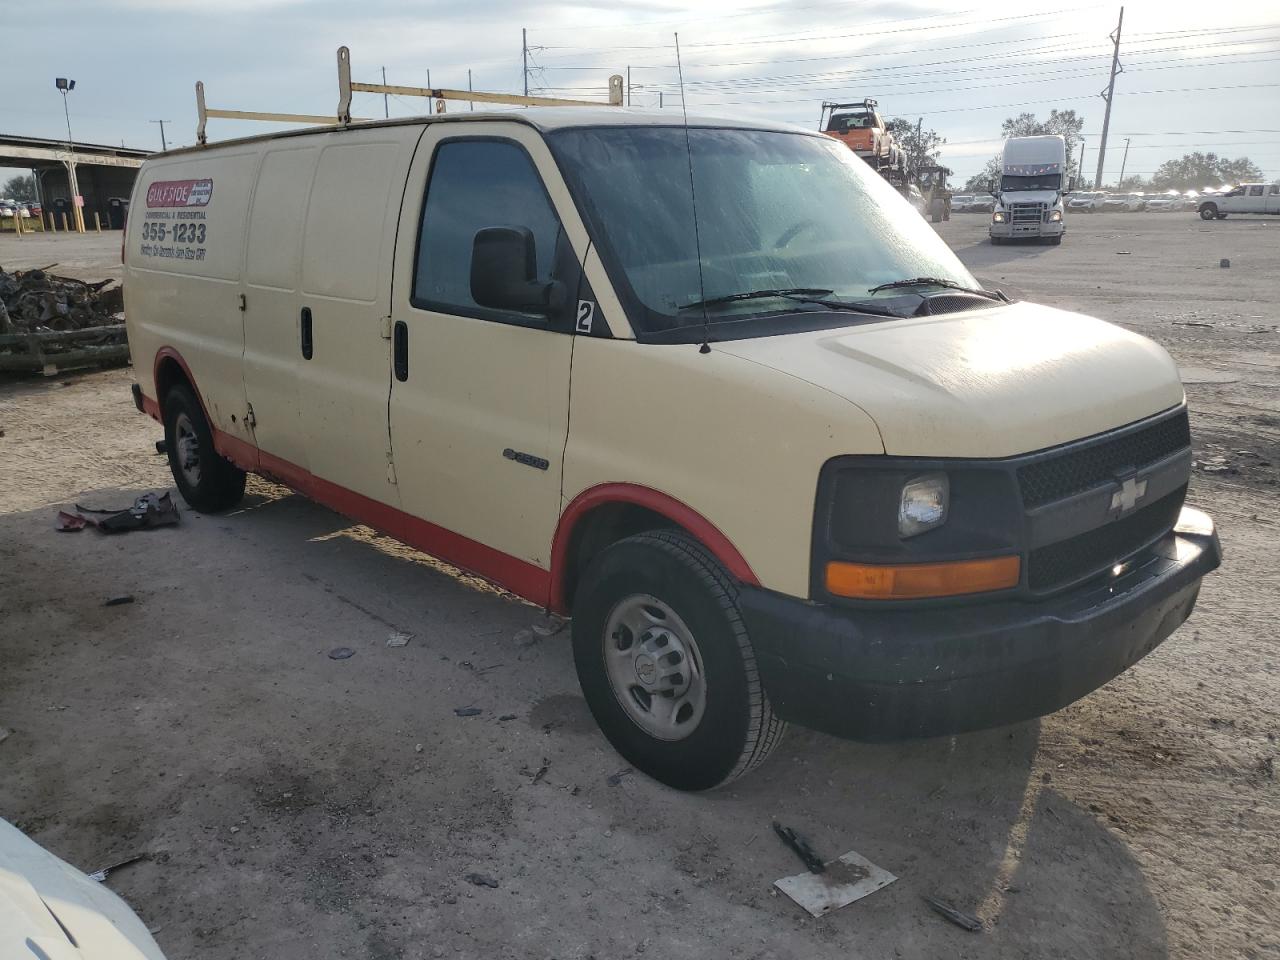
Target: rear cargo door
{"x": 344, "y": 305}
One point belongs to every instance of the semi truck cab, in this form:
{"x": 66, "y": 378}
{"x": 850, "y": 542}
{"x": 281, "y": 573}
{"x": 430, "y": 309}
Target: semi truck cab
{"x": 1029, "y": 198}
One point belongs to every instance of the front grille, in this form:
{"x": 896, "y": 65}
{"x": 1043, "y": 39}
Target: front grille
{"x": 1067, "y": 561}
{"x": 1077, "y": 470}
{"x": 1026, "y": 212}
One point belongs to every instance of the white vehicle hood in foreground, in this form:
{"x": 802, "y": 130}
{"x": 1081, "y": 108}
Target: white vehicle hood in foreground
{"x": 51, "y": 911}
{"x": 987, "y": 383}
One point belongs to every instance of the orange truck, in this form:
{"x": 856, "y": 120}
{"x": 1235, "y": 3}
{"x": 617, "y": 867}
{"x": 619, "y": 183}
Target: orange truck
{"x": 860, "y": 127}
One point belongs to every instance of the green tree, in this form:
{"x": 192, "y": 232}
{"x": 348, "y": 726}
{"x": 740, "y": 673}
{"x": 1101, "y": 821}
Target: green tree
{"x": 919, "y": 147}
{"x": 19, "y": 188}
{"x": 1195, "y": 170}
{"x": 979, "y": 182}
{"x": 1062, "y": 123}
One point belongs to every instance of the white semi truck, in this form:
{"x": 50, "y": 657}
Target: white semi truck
{"x": 1029, "y": 197}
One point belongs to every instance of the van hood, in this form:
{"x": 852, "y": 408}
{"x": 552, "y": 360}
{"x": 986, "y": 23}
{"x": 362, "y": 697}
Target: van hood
{"x": 50, "y": 909}
{"x": 1029, "y": 196}
{"x": 986, "y": 383}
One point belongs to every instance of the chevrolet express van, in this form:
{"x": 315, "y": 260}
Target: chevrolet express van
{"x": 766, "y": 440}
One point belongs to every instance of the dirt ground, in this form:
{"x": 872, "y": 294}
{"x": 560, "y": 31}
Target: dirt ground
{"x": 295, "y": 806}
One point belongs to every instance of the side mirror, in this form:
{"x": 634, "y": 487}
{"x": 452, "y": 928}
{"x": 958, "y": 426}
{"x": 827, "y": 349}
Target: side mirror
{"x": 504, "y": 271}
{"x": 991, "y": 187}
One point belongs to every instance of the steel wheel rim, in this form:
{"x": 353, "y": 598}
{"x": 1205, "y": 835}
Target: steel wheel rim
{"x": 188, "y": 452}
{"x": 655, "y": 668}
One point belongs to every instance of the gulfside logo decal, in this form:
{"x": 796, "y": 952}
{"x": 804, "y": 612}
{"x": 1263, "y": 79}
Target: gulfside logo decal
{"x": 180, "y": 193}
{"x": 175, "y": 223}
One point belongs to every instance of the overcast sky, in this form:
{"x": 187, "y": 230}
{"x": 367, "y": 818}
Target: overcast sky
{"x": 1192, "y": 80}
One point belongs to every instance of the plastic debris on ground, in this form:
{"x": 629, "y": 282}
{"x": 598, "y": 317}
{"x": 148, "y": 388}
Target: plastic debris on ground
{"x": 341, "y": 653}
{"x": 844, "y": 880}
{"x": 482, "y": 880}
{"x": 118, "y": 601}
{"x": 101, "y": 875}
{"x": 399, "y": 639}
{"x": 149, "y": 510}
{"x": 467, "y": 711}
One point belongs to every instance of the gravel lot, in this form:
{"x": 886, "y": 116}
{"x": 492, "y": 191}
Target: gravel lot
{"x": 293, "y": 806}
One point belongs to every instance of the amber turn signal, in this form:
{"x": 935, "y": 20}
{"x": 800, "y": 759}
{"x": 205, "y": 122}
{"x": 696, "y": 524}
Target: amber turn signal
{"x": 916, "y": 581}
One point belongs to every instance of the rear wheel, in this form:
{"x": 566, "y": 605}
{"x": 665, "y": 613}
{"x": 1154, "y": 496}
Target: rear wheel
{"x": 666, "y": 664}
{"x": 208, "y": 482}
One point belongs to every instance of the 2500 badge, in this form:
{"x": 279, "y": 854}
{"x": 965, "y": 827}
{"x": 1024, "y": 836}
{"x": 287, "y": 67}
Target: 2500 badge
{"x": 181, "y": 233}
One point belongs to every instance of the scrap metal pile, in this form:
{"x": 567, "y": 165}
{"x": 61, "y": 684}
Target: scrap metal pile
{"x": 50, "y": 323}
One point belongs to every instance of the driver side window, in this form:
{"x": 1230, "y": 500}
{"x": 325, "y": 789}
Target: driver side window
{"x": 476, "y": 184}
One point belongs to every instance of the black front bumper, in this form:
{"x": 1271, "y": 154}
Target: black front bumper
{"x": 896, "y": 674}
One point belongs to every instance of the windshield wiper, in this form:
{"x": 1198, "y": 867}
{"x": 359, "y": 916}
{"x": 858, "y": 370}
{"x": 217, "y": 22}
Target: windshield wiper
{"x": 787, "y": 292}
{"x": 799, "y": 295}
{"x": 936, "y": 282}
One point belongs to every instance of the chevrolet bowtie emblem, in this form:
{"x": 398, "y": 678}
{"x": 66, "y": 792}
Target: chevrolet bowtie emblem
{"x": 1126, "y": 498}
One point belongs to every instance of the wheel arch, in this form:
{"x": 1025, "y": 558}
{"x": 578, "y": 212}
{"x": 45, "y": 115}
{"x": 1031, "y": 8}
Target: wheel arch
{"x": 604, "y": 514}
{"x": 170, "y": 369}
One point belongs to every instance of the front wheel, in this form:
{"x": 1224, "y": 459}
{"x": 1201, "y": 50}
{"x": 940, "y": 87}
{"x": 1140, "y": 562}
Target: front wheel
{"x": 207, "y": 481}
{"x": 666, "y": 665}
{"x": 1208, "y": 211}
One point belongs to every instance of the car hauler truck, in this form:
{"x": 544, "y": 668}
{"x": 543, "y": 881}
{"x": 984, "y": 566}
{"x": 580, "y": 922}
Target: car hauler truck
{"x": 1029, "y": 203}
{"x": 796, "y": 472}
{"x": 861, "y": 128}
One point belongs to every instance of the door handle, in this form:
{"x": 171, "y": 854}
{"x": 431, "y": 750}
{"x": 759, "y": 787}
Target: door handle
{"x": 308, "y": 346}
{"x": 400, "y": 347}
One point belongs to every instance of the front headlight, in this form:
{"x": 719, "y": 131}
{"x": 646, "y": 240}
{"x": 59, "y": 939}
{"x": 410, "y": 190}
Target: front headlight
{"x": 1055, "y": 216}
{"x": 998, "y": 217}
{"x": 923, "y": 504}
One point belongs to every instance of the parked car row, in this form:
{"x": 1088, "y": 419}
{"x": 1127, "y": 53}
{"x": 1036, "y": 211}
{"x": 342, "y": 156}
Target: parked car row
{"x": 972, "y": 203}
{"x": 21, "y": 208}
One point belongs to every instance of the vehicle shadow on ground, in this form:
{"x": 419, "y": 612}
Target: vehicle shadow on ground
{"x": 973, "y": 820}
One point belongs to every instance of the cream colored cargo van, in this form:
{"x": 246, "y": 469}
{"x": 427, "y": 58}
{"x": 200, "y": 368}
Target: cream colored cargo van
{"x": 781, "y": 460}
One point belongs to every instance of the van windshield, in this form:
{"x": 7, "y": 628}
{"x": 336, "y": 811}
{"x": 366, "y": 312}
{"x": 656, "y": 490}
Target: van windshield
{"x": 776, "y": 211}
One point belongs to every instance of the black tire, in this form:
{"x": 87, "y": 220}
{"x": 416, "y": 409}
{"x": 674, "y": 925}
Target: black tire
{"x": 1208, "y": 211}
{"x": 212, "y": 483}
{"x": 1056, "y": 241}
{"x": 737, "y": 728}
{"x": 996, "y": 241}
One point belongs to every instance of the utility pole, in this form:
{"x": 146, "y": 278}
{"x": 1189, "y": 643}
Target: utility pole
{"x": 386, "y": 107}
{"x": 1124, "y": 163}
{"x": 628, "y": 85}
{"x": 1107, "y": 96}
{"x": 164, "y": 145}
{"x": 471, "y": 103}
{"x": 1080, "y": 163}
{"x": 65, "y": 86}
{"x": 524, "y": 57}
{"x": 659, "y": 99}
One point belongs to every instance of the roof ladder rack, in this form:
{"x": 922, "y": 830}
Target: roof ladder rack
{"x": 346, "y": 87}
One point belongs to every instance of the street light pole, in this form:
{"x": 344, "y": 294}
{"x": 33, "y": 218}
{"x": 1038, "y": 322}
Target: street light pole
{"x": 65, "y": 86}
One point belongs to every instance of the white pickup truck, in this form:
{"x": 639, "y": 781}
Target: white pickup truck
{"x": 1246, "y": 198}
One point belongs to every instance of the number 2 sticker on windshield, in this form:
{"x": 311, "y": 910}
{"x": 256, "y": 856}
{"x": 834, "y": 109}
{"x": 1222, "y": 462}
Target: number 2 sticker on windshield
{"x": 586, "y": 313}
